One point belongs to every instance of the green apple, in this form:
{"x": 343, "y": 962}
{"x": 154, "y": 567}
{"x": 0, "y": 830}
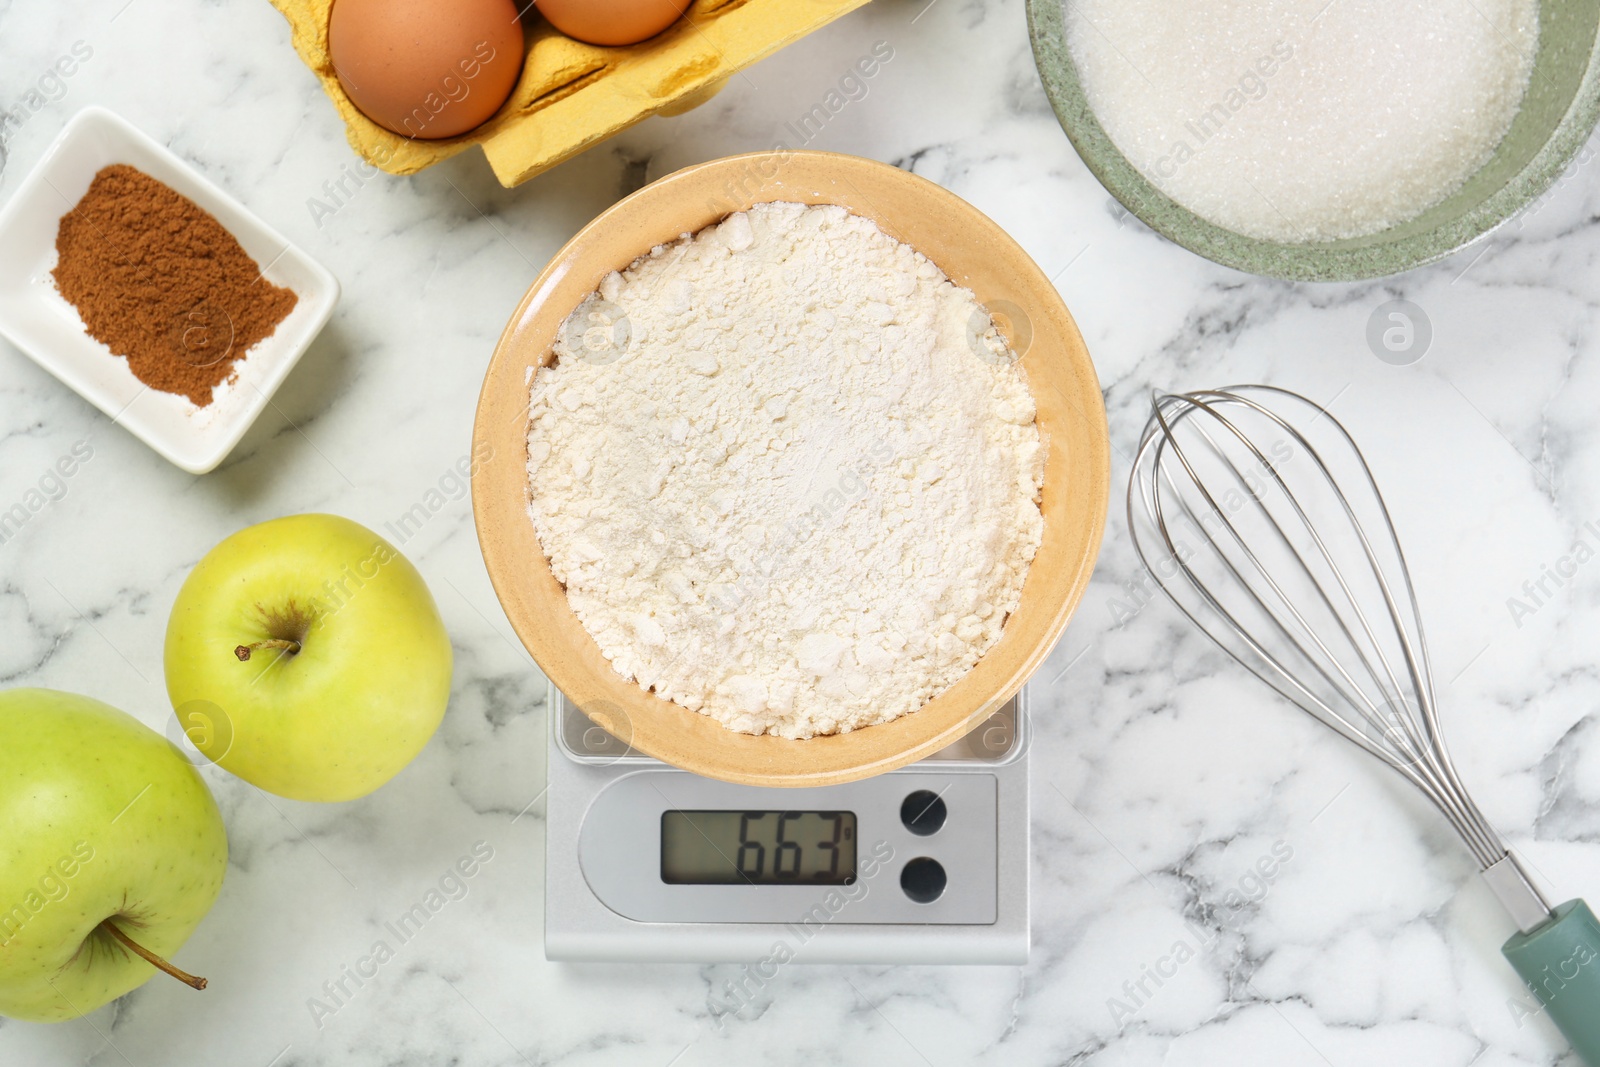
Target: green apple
{"x": 307, "y": 656}
{"x": 112, "y": 846}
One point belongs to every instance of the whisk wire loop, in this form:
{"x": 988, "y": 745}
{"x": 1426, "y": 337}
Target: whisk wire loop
{"x": 1329, "y": 715}
{"x": 1272, "y": 575}
{"x": 1306, "y": 631}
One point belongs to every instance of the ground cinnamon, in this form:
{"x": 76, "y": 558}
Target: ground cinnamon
{"x": 160, "y": 282}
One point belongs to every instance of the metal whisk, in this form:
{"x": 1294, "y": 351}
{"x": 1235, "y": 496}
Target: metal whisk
{"x": 1257, "y": 515}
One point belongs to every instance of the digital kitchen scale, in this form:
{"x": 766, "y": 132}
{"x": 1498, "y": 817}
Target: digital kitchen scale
{"x": 648, "y": 863}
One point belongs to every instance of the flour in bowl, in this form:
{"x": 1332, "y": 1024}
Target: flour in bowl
{"x": 788, "y": 473}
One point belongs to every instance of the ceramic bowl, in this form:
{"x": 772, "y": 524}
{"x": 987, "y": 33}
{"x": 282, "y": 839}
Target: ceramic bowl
{"x": 35, "y": 317}
{"x": 1557, "y": 116}
{"x": 975, "y": 253}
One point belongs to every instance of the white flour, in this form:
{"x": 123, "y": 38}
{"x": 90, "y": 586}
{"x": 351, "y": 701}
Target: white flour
{"x": 779, "y": 481}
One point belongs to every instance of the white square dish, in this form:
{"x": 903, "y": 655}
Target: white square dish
{"x": 35, "y": 317}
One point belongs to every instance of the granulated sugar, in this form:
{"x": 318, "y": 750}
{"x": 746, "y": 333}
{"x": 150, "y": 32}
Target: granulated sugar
{"x": 1309, "y": 120}
{"x": 788, "y": 472}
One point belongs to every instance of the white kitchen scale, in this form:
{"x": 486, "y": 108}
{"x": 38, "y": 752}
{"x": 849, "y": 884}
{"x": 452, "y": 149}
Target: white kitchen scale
{"x": 926, "y": 864}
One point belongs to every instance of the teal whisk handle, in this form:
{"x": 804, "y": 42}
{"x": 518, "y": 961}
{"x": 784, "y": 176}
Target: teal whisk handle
{"x": 1560, "y": 962}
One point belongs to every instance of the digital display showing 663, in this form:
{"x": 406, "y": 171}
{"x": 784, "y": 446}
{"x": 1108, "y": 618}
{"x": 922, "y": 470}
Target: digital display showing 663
{"x": 758, "y": 847}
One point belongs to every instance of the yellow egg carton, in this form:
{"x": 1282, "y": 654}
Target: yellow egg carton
{"x": 572, "y": 95}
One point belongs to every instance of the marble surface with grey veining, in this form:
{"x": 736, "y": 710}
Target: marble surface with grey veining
{"x": 1163, "y": 777}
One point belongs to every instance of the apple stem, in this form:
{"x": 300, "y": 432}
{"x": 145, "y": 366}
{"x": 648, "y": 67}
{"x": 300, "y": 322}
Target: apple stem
{"x": 243, "y": 651}
{"x": 152, "y": 959}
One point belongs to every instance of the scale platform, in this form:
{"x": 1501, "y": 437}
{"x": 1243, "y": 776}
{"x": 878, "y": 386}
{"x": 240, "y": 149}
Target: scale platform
{"x": 925, "y": 864}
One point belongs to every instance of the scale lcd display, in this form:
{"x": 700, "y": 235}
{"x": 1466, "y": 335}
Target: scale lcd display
{"x": 758, "y": 847}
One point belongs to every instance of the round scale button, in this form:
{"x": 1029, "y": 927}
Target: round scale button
{"x": 923, "y": 812}
{"x": 923, "y": 880}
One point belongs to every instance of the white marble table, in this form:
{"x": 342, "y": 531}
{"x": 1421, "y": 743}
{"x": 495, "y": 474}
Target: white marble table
{"x": 1162, "y": 775}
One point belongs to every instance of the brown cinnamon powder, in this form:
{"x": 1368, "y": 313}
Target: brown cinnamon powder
{"x": 160, "y": 282}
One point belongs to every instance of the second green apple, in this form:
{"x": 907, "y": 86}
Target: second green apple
{"x": 306, "y": 656}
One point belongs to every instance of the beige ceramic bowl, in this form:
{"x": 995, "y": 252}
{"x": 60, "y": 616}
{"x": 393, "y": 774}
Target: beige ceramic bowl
{"x": 974, "y": 252}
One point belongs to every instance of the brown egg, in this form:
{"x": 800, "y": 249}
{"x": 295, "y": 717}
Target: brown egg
{"x": 611, "y": 21}
{"x": 426, "y": 68}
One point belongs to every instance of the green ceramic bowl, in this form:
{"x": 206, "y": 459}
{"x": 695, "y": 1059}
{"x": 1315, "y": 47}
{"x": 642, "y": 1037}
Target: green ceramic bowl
{"x": 1557, "y": 116}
